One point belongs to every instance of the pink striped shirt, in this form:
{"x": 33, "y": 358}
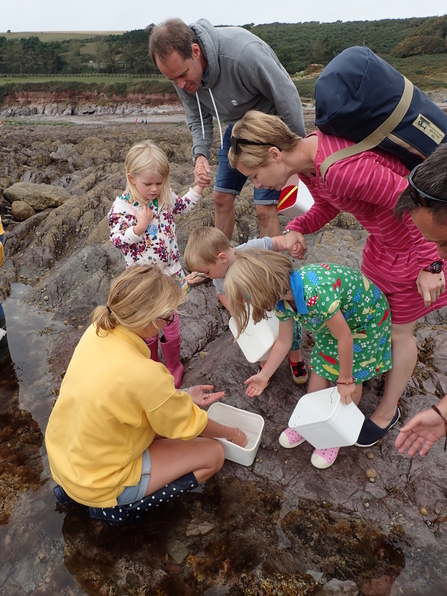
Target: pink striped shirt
{"x": 368, "y": 186}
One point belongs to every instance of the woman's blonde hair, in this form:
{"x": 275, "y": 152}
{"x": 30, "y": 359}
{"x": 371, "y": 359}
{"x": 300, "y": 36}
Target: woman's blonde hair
{"x": 143, "y": 158}
{"x": 264, "y": 128}
{"x": 254, "y": 283}
{"x": 141, "y": 294}
{"x": 204, "y": 246}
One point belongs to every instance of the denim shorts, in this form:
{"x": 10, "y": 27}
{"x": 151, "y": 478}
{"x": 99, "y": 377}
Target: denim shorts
{"x": 230, "y": 180}
{"x": 133, "y": 493}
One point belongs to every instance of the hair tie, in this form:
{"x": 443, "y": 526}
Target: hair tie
{"x": 108, "y": 308}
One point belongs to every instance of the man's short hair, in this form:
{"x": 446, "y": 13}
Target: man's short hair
{"x": 169, "y": 36}
{"x": 431, "y": 179}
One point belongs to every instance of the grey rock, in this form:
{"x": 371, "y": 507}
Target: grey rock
{"x": 38, "y": 196}
{"x": 177, "y": 550}
{"x": 20, "y": 210}
{"x": 336, "y": 587}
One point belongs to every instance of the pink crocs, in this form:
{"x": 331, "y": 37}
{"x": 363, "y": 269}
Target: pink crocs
{"x": 324, "y": 458}
{"x": 290, "y": 438}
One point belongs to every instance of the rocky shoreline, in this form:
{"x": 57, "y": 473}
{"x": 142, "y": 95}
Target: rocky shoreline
{"x": 277, "y": 527}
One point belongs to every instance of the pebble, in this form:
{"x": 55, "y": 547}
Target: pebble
{"x": 423, "y": 511}
{"x": 372, "y": 479}
{"x": 370, "y": 455}
{"x": 366, "y": 505}
{"x": 371, "y": 473}
{"x": 203, "y": 354}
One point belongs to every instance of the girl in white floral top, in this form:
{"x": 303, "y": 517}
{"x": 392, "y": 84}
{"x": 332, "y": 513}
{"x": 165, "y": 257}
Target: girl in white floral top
{"x": 141, "y": 223}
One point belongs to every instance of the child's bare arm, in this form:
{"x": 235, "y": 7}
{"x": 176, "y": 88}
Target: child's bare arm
{"x": 341, "y": 331}
{"x": 281, "y": 347}
{"x": 280, "y": 244}
{"x": 224, "y": 301}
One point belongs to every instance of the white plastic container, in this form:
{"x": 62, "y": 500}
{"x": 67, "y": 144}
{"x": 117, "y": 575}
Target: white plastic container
{"x": 295, "y": 198}
{"x": 257, "y": 339}
{"x": 251, "y": 424}
{"x": 325, "y": 421}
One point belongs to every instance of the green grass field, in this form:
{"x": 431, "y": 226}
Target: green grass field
{"x": 93, "y": 78}
{"x": 59, "y": 35}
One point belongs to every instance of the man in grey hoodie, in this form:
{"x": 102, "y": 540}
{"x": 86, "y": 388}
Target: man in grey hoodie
{"x": 223, "y": 72}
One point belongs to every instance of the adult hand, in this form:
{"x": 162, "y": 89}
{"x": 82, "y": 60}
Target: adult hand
{"x": 144, "y": 218}
{"x": 256, "y": 385}
{"x": 430, "y": 286}
{"x": 202, "y": 171}
{"x": 202, "y": 395}
{"x": 295, "y": 244}
{"x": 421, "y": 433}
{"x": 346, "y": 392}
{"x": 238, "y": 437}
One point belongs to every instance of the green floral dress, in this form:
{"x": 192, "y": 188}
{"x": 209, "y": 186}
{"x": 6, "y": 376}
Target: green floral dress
{"x": 327, "y": 289}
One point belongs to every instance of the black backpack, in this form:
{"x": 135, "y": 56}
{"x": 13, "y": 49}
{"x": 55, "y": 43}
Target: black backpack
{"x": 362, "y": 98}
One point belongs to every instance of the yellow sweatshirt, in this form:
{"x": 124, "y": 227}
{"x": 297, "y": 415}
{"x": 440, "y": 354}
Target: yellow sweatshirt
{"x": 112, "y": 402}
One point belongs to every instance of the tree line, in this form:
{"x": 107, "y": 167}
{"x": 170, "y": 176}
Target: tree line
{"x": 297, "y": 46}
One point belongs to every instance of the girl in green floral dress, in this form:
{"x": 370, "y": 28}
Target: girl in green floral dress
{"x": 348, "y": 315}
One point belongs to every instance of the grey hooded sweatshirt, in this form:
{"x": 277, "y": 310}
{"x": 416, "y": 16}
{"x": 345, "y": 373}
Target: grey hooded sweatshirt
{"x": 243, "y": 74}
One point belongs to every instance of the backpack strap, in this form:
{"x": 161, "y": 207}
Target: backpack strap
{"x": 378, "y": 135}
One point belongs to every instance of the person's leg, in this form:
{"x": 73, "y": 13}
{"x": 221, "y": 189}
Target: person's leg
{"x": 404, "y": 357}
{"x": 265, "y": 202}
{"x": 296, "y": 363}
{"x": 268, "y": 220}
{"x": 228, "y": 185}
{"x": 170, "y": 345}
{"x": 172, "y": 458}
{"x": 152, "y": 344}
{"x": 224, "y": 212}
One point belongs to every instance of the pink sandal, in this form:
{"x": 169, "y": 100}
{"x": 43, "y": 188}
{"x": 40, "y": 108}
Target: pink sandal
{"x": 289, "y": 438}
{"x": 324, "y": 458}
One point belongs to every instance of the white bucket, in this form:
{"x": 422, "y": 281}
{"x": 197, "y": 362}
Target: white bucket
{"x": 325, "y": 421}
{"x": 251, "y": 424}
{"x": 295, "y": 198}
{"x": 258, "y": 338}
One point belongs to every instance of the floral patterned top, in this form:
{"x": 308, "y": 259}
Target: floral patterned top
{"x": 158, "y": 244}
{"x": 328, "y": 288}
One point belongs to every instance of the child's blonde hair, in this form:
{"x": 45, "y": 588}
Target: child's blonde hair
{"x": 256, "y": 281}
{"x": 204, "y": 245}
{"x": 145, "y": 157}
{"x": 141, "y": 294}
{"x": 264, "y": 128}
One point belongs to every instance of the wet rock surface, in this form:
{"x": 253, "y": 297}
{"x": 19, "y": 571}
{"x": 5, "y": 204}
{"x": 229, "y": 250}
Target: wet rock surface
{"x": 277, "y": 527}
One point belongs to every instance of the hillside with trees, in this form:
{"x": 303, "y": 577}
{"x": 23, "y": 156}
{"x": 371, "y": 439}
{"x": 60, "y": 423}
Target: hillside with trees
{"x": 416, "y": 46}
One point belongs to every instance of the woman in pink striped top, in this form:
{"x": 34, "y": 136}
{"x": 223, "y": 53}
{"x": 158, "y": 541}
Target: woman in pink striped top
{"x": 396, "y": 257}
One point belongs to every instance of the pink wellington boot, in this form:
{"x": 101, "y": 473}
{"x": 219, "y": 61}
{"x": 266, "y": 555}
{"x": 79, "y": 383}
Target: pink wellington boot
{"x": 171, "y": 353}
{"x": 152, "y": 344}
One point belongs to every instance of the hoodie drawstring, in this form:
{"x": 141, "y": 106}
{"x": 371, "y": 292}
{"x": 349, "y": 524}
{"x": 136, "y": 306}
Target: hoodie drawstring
{"x": 217, "y": 116}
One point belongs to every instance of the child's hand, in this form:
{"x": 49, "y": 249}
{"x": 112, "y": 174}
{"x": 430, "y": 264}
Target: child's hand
{"x": 256, "y": 385}
{"x": 238, "y": 437}
{"x": 346, "y": 392}
{"x": 202, "y": 395}
{"x": 202, "y": 172}
{"x": 295, "y": 244}
{"x": 298, "y": 251}
{"x": 144, "y": 218}
{"x": 195, "y": 278}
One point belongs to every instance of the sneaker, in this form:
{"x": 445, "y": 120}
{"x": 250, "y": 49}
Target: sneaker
{"x": 299, "y": 372}
{"x": 324, "y": 458}
{"x": 289, "y": 438}
{"x": 371, "y": 433}
{"x": 259, "y": 370}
